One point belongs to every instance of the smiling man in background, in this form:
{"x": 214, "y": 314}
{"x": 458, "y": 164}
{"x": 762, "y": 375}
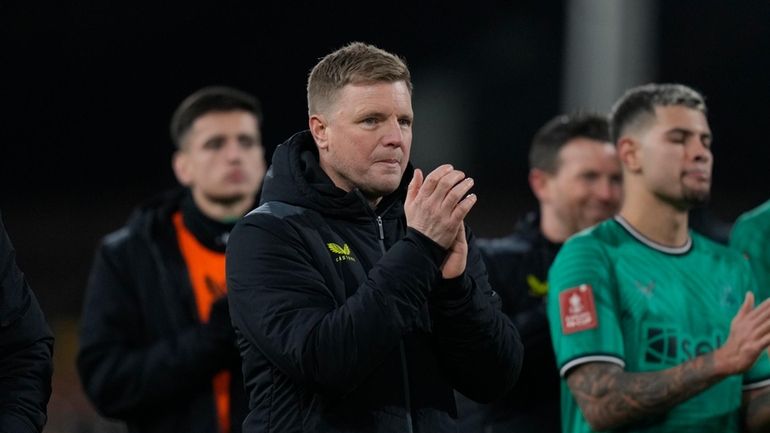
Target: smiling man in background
{"x": 575, "y": 176}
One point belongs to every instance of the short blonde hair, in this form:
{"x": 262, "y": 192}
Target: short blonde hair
{"x": 355, "y": 63}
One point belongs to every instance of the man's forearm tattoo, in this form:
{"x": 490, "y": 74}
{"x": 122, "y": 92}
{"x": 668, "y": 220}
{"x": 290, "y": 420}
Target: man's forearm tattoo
{"x": 611, "y": 397}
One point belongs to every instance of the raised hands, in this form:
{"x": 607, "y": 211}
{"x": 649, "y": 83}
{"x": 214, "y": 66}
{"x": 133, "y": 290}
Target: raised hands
{"x": 436, "y": 206}
{"x": 749, "y": 336}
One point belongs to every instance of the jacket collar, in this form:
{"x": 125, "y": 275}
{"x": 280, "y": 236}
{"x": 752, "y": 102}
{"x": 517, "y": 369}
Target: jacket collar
{"x": 295, "y": 177}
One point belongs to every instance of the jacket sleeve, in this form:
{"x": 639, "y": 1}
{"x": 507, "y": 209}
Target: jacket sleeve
{"x": 283, "y": 305}
{"x": 480, "y": 349}
{"x": 26, "y": 348}
{"x": 127, "y": 367}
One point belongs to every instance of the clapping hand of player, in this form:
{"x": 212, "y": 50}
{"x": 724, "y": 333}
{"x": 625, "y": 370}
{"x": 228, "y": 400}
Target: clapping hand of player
{"x": 436, "y": 206}
{"x": 749, "y": 337}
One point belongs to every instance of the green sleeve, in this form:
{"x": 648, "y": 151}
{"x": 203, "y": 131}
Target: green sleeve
{"x": 740, "y": 235}
{"x": 750, "y": 239}
{"x": 759, "y": 374}
{"x": 583, "y": 305}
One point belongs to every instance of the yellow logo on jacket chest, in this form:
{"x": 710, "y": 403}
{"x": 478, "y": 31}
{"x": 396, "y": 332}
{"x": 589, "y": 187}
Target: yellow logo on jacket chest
{"x": 343, "y": 252}
{"x": 537, "y": 287}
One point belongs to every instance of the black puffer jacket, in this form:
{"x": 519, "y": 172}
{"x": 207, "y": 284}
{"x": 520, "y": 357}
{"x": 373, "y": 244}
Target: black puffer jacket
{"x": 518, "y": 268}
{"x": 26, "y": 346}
{"x": 344, "y": 322}
{"x": 144, "y": 356}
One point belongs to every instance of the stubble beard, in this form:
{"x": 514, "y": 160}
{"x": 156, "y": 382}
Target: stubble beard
{"x": 696, "y": 198}
{"x": 693, "y": 196}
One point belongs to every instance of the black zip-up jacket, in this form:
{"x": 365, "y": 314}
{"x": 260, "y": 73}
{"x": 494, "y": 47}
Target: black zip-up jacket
{"x": 344, "y": 322}
{"x": 144, "y": 356}
{"x": 518, "y": 268}
{"x": 26, "y": 349}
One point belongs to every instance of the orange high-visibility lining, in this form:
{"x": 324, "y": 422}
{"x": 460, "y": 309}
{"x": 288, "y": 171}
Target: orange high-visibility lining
{"x": 206, "y": 269}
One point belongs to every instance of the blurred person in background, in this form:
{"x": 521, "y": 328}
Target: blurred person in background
{"x": 654, "y": 326}
{"x": 26, "y": 349}
{"x": 751, "y": 235}
{"x": 575, "y": 176}
{"x": 157, "y": 349}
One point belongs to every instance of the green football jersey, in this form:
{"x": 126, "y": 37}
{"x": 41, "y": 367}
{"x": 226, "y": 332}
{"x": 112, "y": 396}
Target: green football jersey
{"x": 750, "y": 235}
{"x": 616, "y": 296}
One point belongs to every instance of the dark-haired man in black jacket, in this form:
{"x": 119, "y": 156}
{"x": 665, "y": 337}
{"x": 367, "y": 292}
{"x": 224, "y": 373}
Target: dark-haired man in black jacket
{"x": 26, "y": 349}
{"x": 359, "y": 300}
{"x": 575, "y": 176}
{"x": 157, "y": 349}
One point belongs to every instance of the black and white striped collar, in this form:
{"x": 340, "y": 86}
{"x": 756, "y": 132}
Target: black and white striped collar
{"x": 684, "y": 249}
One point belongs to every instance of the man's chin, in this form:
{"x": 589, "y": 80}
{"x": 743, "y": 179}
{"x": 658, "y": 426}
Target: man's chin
{"x": 379, "y": 191}
{"x": 594, "y": 218}
{"x": 589, "y": 223}
{"x": 698, "y": 200}
{"x": 226, "y": 199}
{"x": 692, "y": 198}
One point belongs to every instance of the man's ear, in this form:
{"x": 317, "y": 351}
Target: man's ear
{"x": 320, "y": 131}
{"x": 628, "y": 152}
{"x": 180, "y": 162}
{"x": 538, "y": 182}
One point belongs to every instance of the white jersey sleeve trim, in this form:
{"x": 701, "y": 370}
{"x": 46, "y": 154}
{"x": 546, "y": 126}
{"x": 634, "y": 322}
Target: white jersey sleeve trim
{"x": 756, "y": 385}
{"x": 593, "y": 358}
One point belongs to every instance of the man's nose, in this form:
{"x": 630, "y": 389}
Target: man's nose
{"x": 606, "y": 190}
{"x": 233, "y": 149}
{"x": 699, "y": 151}
{"x": 393, "y": 134}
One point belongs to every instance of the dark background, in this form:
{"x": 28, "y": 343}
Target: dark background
{"x": 88, "y": 88}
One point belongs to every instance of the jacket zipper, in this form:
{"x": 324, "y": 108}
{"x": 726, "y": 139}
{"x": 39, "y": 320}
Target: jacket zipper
{"x": 404, "y": 371}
